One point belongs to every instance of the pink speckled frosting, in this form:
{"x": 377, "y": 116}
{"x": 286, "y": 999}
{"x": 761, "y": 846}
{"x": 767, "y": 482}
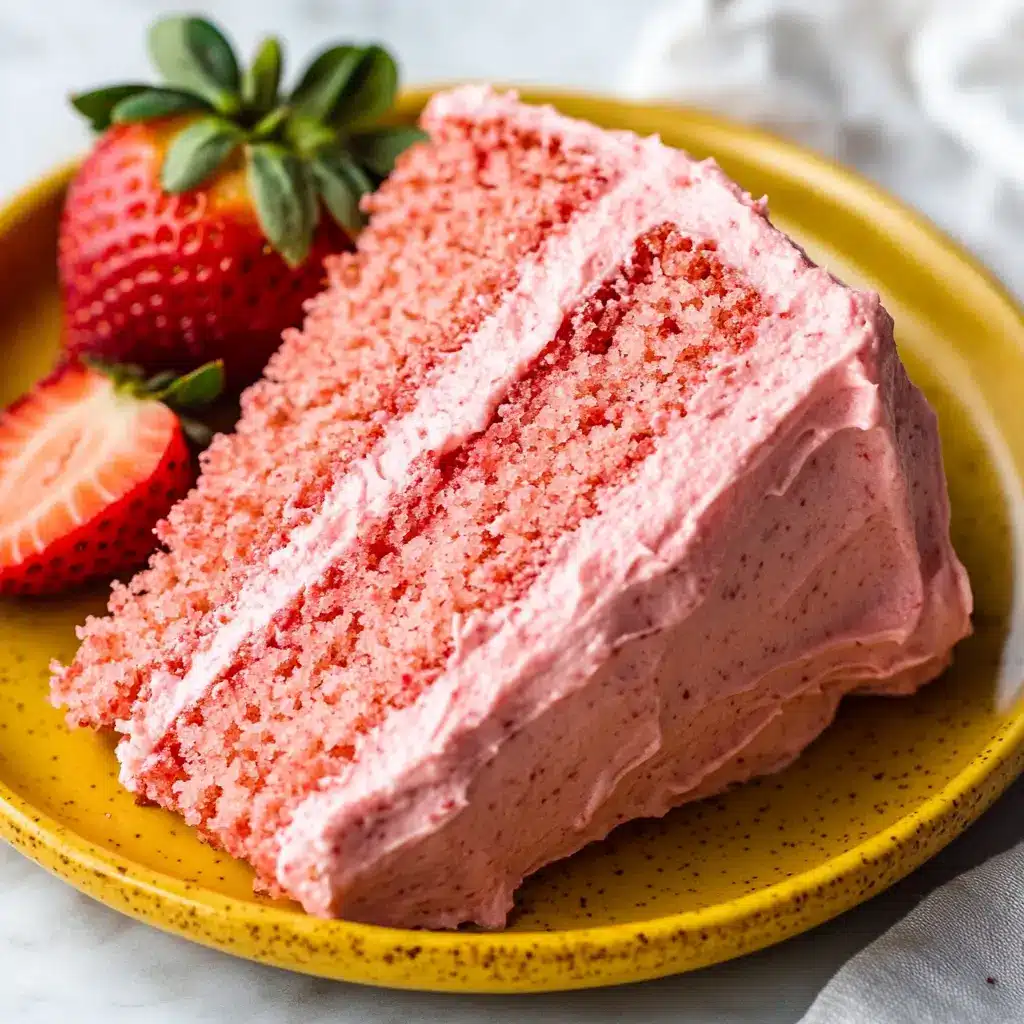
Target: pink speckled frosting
{"x": 786, "y": 544}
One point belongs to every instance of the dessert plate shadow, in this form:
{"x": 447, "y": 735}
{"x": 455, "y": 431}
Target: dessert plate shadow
{"x": 886, "y": 787}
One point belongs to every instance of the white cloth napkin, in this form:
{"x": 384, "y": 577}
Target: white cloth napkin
{"x": 926, "y": 97}
{"x": 958, "y": 958}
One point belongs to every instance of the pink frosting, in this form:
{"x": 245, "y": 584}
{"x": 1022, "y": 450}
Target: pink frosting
{"x": 786, "y": 544}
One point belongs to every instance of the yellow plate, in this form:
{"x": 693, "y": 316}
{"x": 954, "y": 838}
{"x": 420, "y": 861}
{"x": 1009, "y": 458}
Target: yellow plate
{"x": 886, "y": 787}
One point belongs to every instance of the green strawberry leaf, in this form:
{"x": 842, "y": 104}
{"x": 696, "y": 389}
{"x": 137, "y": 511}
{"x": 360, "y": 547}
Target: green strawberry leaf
{"x": 119, "y": 373}
{"x": 319, "y": 67}
{"x": 198, "y": 433}
{"x": 342, "y": 184}
{"x": 262, "y": 78}
{"x": 284, "y": 198}
{"x": 342, "y": 163}
{"x": 160, "y": 380}
{"x": 98, "y": 105}
{"x": 196, "y": 152}
{"x": 307, "y": 136}
{"x": 267, "y": 126}
{"x": 144, "y": 106}
{"x": 310, "y": 197}
{"x": 325, "y": 81}
{"x": 378, "y": 150}
{"x": 193, "y": 55}
{"x": 370, "y": 91}
{"x": 195, "y": 389}
{"x": 341, "y": 200}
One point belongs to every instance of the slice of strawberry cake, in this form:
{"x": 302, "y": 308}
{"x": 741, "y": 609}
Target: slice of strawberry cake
{"x": 582, "y": 493}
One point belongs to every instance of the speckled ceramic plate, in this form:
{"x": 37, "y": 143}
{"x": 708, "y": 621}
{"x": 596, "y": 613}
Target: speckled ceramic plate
{"x": 886, "y": 787}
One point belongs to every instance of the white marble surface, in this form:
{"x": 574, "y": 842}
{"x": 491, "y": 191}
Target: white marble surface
{"x": 63, "y": 957}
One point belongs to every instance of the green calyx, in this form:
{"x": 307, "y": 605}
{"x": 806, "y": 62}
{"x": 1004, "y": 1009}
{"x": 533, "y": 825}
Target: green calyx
{"x": 183, "y": 394}
{"x": 318, "y": 146}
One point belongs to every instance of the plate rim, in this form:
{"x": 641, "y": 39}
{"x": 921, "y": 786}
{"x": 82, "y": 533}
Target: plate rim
{"x": 572, "y": 958}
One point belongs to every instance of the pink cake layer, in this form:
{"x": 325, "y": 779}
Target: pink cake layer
{"x": 620, "y": 537}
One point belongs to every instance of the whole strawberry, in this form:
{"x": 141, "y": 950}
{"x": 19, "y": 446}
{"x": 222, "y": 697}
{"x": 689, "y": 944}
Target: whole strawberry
{"x": 90, "y": 459}
{"x": 197, "y": 226}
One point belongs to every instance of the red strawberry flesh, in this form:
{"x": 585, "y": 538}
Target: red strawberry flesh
{"x": 85, "y": 473}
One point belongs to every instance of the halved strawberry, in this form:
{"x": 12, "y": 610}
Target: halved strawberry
{"x": 90, "y": 460}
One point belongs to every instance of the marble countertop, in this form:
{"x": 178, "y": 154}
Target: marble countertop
{"x": 64, "y": 957}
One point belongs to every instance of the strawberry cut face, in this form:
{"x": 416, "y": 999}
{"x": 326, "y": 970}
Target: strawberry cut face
{"x": 85, "y": 474}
